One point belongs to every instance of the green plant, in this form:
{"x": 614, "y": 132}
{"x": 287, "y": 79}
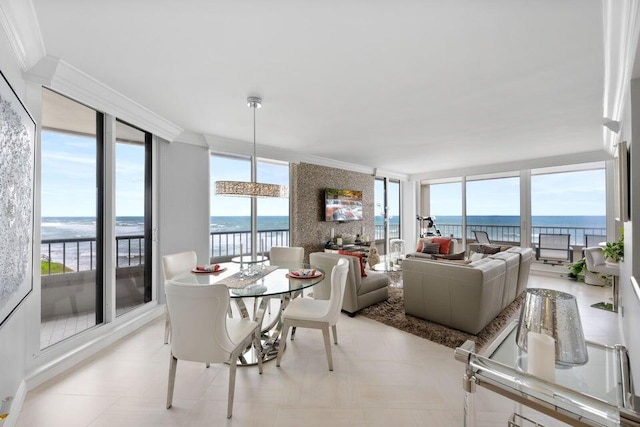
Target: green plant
{"x": 56, "y": 267}
{"x": 577, "y": 268}
{"x": 615, "y": 250}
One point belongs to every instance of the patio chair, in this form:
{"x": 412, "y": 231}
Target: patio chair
{"x": 554, "y": 247}
{"x": 482, "y": 237}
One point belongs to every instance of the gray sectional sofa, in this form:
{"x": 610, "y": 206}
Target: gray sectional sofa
{"x": 465, "y": 296}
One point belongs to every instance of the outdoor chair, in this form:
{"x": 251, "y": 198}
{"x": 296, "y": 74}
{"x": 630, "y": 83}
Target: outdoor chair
{"x": 482, "y": 237}
{"x": 554, "y": 248}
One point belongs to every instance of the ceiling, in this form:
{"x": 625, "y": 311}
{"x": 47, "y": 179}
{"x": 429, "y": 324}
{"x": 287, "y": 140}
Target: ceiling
{"x": 406, "y": 86}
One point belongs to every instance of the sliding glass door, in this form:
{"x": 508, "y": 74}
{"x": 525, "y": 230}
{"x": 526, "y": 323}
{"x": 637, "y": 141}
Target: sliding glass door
{"x": 71, "y": 222}
{"x": 133, "y": 217}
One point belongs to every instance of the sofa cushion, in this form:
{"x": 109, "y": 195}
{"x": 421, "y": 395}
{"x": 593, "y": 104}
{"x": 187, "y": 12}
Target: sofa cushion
{"x": 458, "y": 256}
{"x": 455, "y": 261}
{"x": 475, "y": 256}
{"x": 445, "y": 244}
{"x": 359, "y": 255}
{"x": 488, "y": 249}
{"x": 431, "y": 248}
{"x": 375, "y": 280}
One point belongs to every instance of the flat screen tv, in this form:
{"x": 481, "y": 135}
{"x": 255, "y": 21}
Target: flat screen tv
{"x": 342, "y": 205}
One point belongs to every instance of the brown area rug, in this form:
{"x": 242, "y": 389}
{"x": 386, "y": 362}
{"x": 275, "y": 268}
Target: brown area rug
{"x": 391, "y": 312}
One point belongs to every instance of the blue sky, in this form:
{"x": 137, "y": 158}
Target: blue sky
{"x": 68, "y": 186}
{"x": 68, "y": 176}
{"x": 564, "y": 194}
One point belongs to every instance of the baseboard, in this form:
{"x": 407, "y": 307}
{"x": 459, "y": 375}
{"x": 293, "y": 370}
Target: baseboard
{"x": 16, "y": 406}
{"x": 110, "y": 335}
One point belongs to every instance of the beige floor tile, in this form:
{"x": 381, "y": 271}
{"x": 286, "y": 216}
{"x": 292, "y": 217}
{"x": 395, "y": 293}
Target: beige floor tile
{"x": 382, "y": 376}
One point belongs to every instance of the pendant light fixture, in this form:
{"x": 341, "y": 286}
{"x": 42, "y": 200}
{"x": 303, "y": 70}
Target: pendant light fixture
{"x": 253, "y": 188}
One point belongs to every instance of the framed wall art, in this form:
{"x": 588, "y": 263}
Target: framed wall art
{"x": 17, "y": 141}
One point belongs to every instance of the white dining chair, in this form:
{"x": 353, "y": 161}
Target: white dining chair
{"x": 291, "y": 257}
{"x": 317, "y": 314}
{"x": 201, "y": 331}
{"x": 286, "y": 256}
{"x": 172, "y": 265}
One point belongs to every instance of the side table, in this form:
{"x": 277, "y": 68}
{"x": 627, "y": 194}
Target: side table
{"x": 599, "y": 393}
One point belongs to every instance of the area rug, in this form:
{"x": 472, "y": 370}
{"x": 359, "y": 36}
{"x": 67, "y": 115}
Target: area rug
{"x": 391, "y": 312}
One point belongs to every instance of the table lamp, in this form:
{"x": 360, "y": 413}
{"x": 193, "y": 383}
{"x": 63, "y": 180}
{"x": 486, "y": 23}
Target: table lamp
{"x": 554, "y": 313}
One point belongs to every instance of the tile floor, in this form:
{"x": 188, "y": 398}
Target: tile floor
{"x": 381, "y": 377}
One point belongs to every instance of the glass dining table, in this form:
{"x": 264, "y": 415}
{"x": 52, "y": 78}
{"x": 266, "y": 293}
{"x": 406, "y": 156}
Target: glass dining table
{"x": 271, "y": 282}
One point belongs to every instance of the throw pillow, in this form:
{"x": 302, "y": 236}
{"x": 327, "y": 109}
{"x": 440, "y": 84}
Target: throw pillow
{"x": 444, "y": 242}
{"x": 475, "y": 256}
{"x": 457, "y": 256}
{"x": 488, "y": 249}
{"x": 358, "y": 255}
{"x": 455, "y": 261}
{"x": 421, "y": 242}
{"x": 431, "y": 248}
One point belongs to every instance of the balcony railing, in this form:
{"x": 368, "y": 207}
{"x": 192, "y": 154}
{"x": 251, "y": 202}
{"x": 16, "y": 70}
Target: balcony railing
{"x": 79, "y": 253}
{"x": 227, "y": 244}
{"x": 511, "y": 233}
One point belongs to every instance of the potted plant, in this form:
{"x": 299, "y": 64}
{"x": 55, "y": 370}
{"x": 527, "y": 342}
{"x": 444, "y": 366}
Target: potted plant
{"x": 577, "y": 269}
{"x": 614, "y": 251}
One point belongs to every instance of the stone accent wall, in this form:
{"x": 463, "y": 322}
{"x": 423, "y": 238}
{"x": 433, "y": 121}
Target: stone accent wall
{"x": 308, "y": 227}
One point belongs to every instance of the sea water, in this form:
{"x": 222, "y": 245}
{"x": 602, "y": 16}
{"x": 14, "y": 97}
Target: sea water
{"x": 85, "y": 227}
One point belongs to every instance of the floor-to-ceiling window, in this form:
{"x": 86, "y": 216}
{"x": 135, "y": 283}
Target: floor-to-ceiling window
{"x": 445, "y": 209}
{"x": 231, "y": 216}
{"x": 493, "y": 205}
{"x": 273, "y": 212}
{"x": 71, "y": 218}
{"x": 387, "y": 209}
{"x": 569, "y": 200}
{"x": 133, "y": 217}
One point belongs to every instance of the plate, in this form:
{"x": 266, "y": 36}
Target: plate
{"x": 208, "y": 272}
{"x": 318, "y": 274}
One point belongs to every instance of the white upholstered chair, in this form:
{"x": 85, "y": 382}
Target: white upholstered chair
{"x": 285, "y": 256}
{"x": 291, "y": 257}
{"x": 172, "y": 265}
{"x": 317, "y": 314}
{"x": 202, "y": 332}
{"x": 596, "y": 263}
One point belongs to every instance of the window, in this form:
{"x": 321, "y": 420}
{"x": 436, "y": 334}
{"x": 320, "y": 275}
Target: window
{"x": 231, "y": 216}
{"x": 445, "y": 205}
{"x": 571, "y": 202}
{"x": 493, "y": 205}
{"x": 387, "y": 201}
{"x": 133, "y": 217}
{"x": 71, "y": 222}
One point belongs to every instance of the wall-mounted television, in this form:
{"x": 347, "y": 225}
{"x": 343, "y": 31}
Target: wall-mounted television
{"x": 342, "y": 205}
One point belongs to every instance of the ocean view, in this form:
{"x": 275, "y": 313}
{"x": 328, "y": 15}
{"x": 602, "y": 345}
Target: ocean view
{"x": 78, "y": 227}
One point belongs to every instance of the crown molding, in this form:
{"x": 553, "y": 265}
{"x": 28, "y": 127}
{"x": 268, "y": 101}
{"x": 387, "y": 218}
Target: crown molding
{"x": 62, "y": 77}
{"x": 222, "y": 145}
{"x": 568, "y": 159}
{"x": 20, "y": 23}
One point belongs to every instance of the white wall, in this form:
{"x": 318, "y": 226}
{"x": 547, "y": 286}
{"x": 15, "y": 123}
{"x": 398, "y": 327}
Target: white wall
{"x": 13, "y": 333}
{"x": 630, "y": 316}
{"x": 183, "y": 200}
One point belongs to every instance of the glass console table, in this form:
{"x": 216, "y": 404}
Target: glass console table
{"x": 599, "y": 393}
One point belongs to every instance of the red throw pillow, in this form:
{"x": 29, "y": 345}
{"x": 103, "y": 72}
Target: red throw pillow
{"x": 445, "y": 243}
{"x": 356, "y": 254}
